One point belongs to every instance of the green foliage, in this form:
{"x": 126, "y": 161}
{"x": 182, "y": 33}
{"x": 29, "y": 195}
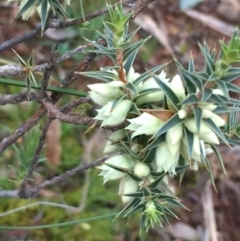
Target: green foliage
{"x": 117, "y": 22}
{"x": 28, "y": 69}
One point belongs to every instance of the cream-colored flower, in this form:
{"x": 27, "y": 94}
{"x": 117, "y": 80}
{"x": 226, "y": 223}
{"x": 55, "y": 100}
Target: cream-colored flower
{"x": 151, "y": 84}
{"x": 177, "y": 87}
{"x": 207, "y": 106}
{"x": 190, "y": 124}
{"x": 165, "y": 160}
{"x": 127, "y": 185}
{"x": 209, "y": 138}
{"x": 144, "y": 124}
{"x": 115, "y": 116}
{"x": 98, "y": 99}
{"x": 109, "y": 91}
{"x": 174, "y": 134}
{"x": 121, "y": 161}
{"x": 217, "y": 92}
{"x": 115, "y": 137}
{"x": 132, "y": 75}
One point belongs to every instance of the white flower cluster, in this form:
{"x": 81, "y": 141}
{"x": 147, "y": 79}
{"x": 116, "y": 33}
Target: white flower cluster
{"x": 105, "y": 93}
{"x": 126, "y": 163}
{"x": 131, "y": 163}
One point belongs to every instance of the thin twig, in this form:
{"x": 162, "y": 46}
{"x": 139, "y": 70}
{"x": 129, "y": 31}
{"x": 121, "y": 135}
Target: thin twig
{"x": 69, "y": 106}
{"x": 21, "y": 130}
{"x": 20, "y": 97}
{"x": 18, "y": 70}
{"x": 53, "y": 23}
{"x": 67, "y": 81}
{"x": 48, "y": 72}
{"x": 69, "y": 118}
{"x": 34, "y": 191}
{"x": 64, "y": 176}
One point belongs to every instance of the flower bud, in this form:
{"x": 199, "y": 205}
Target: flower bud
{"x": 121, "y": 161}
{"x": 119, "y": 114}
{"x": 152, "y": 215}
{"x": 150, "y": 98}
{"x": 127, "y": 185}
{"x": 135, "y": 148}
{"x": 115, "y": 137}
{"x": 141, "y": 170}
{"x": 108, "y": 90}
{"x": 194, "y": 166}
{"x": 98, "y": 99}
{"x": 182, "y": 114}
{"x": 177, "y": 87}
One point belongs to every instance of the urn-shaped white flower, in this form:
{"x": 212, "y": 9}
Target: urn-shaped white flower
{"x": 115, "y": 137}
{"x": 144, "y": 124}
{"x": 154, "y": 96}
{"x": 108, "y": 91}
{"x": 177, "y": 87}
{"x": 165, "y": 160}
{"x": 127, "y": 185}
{"x": 115, "y": 116}
{"x": 121, "y": 161}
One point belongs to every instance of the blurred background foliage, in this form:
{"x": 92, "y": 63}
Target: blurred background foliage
{"x": 67, "y": 146}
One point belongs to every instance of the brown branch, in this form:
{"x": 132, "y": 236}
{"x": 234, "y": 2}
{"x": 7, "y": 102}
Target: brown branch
{"x": 67, "y": 81}
{"x": 17, "y": 70}
{"x": 48, "y": 72}
{"x": 20, "y": 97}
{"x": 75, "y": 103}
{"x": 17, "y": 40}
{"x": 21, "y": 130}
{"x": 65, "y": 175}
{"x": 54, "y": 23}
{"x": 69, "y": 118}
{"x": 141, "y": 5}
{"x": 35, "y": 158}
{"x": 34, "y": 191}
